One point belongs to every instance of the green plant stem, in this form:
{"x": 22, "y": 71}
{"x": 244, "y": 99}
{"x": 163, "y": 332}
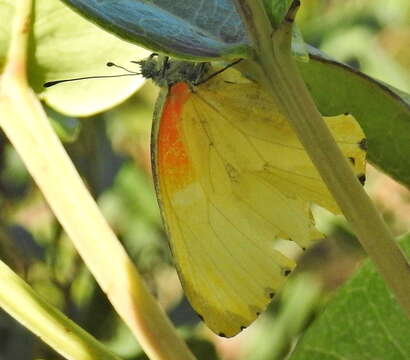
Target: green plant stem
{"x": 276, "y": 70}
{"x": 43, "y": 319}
{"x": 26, "y": 125}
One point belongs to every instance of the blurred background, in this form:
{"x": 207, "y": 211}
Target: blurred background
{"x": 371, "y": 35}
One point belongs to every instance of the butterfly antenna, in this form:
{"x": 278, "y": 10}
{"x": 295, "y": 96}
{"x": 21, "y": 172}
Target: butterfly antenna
{"x": 218, "y": 72}
{"x": 109, "y": 64}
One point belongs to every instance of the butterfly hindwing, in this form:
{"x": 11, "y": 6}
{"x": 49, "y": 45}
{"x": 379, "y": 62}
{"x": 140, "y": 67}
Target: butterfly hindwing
{"x": 231, "y": 179}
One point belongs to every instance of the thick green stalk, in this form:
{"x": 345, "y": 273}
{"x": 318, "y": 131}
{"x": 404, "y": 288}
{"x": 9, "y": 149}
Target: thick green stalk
{"x": 26, "y": 125}
{"x": 276, "y": 70}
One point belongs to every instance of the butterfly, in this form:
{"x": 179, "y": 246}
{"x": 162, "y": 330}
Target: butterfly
{"x": 232, "y": 182}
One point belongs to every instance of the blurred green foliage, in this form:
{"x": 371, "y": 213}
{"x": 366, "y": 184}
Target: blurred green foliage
{"x": 362, "y": 321}
{"x": 111, "y": 151}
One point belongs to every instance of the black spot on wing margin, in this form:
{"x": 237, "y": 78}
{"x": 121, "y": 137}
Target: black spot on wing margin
{"x": 361, "y": 178}
{"x": 286, "y": 272}
{"x": 363, "y": 144}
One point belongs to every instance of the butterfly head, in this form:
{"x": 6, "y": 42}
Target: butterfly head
{"x": 166, "y": 72}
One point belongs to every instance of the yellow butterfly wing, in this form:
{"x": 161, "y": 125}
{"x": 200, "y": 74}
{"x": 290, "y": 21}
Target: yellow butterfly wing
{"x": 232, "y": 178}
{"x": 289, "y": 167}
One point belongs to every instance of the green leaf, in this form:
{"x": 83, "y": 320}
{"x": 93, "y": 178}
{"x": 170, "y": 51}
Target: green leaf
{"x": 196, "y": 30}
{"x": 193, "y": 30}
{"x": 382, "y": 111}
{"x": 64, "y": 45}
{"x": 362, "y": 321}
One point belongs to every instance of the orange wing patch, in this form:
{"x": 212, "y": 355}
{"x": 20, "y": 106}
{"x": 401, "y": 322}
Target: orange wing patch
{"x": 172, "y": 155}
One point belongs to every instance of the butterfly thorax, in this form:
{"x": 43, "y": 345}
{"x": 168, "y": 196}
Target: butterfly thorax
{"x": 166, "y": 72}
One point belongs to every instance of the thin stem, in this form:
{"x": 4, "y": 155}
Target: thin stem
{"x": 44, "y": 320}
{"x": 276, "y": 70}
{"x": 28, "y": 128}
